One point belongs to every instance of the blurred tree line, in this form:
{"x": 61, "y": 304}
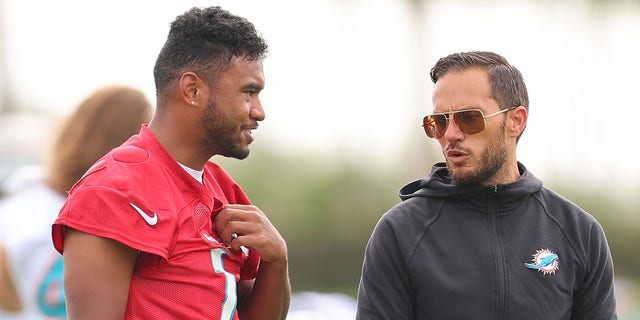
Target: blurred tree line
{"x": 621, "y": 223}
{"x": 326, "y": 208}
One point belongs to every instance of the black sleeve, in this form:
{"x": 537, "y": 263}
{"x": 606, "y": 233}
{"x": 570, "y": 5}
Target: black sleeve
{"x": 595, "y": 299}
{"x": 385, "y": 290}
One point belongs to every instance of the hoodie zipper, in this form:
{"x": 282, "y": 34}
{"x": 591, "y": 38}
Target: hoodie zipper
{"x": 497, "y": 248}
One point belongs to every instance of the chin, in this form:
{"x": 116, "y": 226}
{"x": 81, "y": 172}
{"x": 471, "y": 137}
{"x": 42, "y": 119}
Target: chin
{"x": 242, "y": 156}
{"x": 458, "y": 166}
{"x": 239, "y": 153}
{"x": 462, "y": 174}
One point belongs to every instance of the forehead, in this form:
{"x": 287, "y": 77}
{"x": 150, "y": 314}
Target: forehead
{"x": 242, "y": 71}
{"x": 462, "y": 89}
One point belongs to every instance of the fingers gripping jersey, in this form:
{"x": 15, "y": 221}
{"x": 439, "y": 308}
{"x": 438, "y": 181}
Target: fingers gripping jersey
{"x": 138, "y": 195}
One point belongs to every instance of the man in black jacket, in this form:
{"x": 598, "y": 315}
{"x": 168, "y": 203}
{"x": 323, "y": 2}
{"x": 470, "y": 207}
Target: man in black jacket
{"x": 480, "y": 237}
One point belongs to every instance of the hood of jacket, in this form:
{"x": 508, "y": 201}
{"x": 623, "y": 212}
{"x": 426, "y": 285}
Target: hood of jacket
{"x": 438, "y": 184}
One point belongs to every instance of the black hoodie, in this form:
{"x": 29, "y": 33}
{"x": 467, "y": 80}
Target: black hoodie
{"x": 513, "y": 251}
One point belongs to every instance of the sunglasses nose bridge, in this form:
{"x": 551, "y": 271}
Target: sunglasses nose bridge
{"x": 452, "y": 123}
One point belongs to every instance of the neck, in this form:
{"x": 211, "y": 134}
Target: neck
{"x": 508, "y": 173}
{"x": 175, "y": 134}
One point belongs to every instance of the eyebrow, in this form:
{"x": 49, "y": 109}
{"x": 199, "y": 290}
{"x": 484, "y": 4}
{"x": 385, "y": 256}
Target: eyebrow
{"x": 254, "y": 86}
{"x": 473, "y": 107}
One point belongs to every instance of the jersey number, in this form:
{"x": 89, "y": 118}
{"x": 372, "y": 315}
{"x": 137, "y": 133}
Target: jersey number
{"x": 230, "y": 299}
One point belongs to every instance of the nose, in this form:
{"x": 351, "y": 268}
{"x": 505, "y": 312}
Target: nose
{"x": 452, "y": 133}
{"x": 257, "y": 112}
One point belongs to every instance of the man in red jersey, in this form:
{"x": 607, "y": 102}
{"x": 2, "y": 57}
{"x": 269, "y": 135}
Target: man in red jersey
{"x": 154, "y": 230}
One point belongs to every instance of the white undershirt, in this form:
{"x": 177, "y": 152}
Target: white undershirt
{"x": 194, "y": 173}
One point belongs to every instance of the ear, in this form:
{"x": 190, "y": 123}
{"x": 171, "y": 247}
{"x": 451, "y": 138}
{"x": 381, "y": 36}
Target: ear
{"x": 517, "y": 121}
{"x": 190, "y": 88}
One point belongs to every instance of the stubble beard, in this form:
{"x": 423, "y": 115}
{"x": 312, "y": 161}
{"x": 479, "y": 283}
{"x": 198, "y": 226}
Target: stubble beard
{"x": 220, "y": 135}
{"x": 491, "y": 161}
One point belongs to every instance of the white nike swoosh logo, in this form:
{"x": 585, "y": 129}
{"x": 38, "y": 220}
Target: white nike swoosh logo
{"x": 149, "y": 219}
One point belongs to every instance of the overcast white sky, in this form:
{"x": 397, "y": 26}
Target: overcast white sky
{"x": 351, "y": 76}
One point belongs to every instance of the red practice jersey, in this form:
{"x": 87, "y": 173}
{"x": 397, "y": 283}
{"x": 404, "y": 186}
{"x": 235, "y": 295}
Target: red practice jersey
{"x": 140, "y": 196}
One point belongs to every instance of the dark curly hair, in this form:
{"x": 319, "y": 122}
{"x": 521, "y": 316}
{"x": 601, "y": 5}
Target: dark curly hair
{"x": 204, "y": 41}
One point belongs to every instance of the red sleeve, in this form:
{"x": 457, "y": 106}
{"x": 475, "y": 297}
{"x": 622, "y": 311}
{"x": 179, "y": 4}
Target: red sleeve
{"x": 116, "y": 215}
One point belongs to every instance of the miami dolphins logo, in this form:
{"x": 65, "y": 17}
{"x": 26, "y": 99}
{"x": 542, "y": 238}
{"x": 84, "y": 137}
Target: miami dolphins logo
{"x": 545, "y": 261}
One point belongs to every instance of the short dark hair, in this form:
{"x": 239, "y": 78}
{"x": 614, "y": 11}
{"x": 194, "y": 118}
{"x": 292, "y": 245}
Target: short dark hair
{"x": 204, "y": 41}
{"x": 507, "y": 85}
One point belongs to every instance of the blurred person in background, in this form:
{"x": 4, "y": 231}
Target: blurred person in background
{"x": 31, "y": 280}
{"x": 156, "y": 230}
{"x": 480, "y": 237}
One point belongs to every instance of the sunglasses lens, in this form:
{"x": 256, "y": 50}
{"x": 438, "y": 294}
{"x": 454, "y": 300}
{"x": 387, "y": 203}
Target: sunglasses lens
{"x": 469, "y": 121}
{"x": 435, "y": 125}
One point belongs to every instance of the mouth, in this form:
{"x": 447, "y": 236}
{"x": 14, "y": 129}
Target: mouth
{"x": 249, "y": 131}
{"x": 456, "y": 156}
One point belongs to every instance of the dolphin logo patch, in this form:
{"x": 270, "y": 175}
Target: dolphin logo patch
{"x": 545, "y": 261}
